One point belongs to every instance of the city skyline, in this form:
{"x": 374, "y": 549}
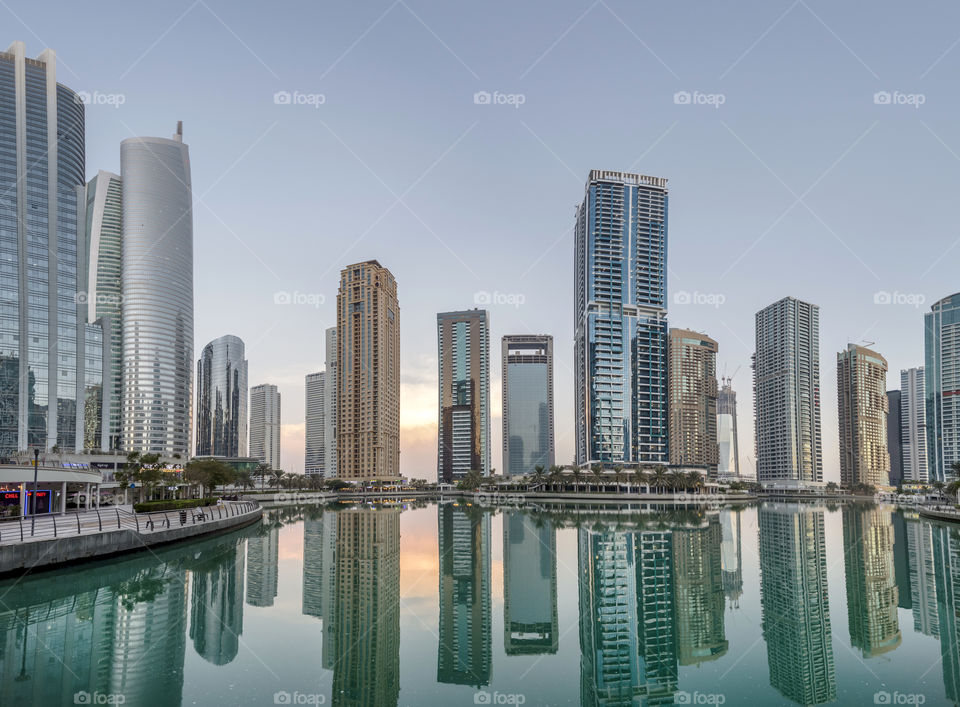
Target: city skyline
{"x": 710, "y": 195}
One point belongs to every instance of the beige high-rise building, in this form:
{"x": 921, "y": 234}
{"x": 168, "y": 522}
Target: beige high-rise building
{"x": 692, "y": 399}
{"x": 863, "y": 407}
{"x": 368, "y": 373}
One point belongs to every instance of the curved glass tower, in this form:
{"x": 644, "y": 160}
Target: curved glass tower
{"x": 42, "y": 311}
{"x": 222, "y": 398}
{"x": 157, "y": 295}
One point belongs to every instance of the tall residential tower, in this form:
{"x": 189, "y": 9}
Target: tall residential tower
{"x": 527, "y": 369}
{"x": 728, "y": 447}
{"x": 692, "y": 399}
{"x": 862, "y": 404}
{"x": 463, "y": 440}
{"x": 942, "y": 387}
{"x": 620, "y": 319}
{"x": 913, "y": 425}
{"x": 265, "y": 424}
{"x": 786, "y": 381}
{"x": 368, "y": 373}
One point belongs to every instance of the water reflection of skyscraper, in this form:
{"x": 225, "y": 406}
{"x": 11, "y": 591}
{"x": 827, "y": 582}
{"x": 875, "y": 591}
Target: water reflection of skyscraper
{"x": 795, "y": 603}
{"x": 216, "y": 603}
{"x": 263, "y": 556}
{"x": 698, "y": 592}
{"x": 530, "y": 624}
{"x": 366, "y": 624}
{"x": 923, "y": 577}
{"x": 319, "y": 576}
{"x": 465, "y": 644}
{"x": 870, "y": 578}
{"x": 731, "y": 560}
{"x": 946, "y": 555}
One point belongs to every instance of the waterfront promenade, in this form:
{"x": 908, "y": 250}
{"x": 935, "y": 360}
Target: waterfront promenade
{"x": 32, "y": 543}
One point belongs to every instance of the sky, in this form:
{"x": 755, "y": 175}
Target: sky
{"x": 812, "y": 149}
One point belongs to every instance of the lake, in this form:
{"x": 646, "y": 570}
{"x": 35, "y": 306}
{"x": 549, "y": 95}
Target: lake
{"x": 776, "y": 603}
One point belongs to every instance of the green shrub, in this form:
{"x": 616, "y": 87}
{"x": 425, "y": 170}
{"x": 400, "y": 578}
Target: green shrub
{"x": 150, "y": 506}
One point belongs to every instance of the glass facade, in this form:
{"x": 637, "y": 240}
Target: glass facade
{"x": 528, "y": 436}
{"x": 942, "y": 383}
{"x": 41, "y": 178}
{"x": 104, "y": 247}
{"x": 620, "y": 319}
{"x": 157, "y": 295}
{"x": 222, "y": 398}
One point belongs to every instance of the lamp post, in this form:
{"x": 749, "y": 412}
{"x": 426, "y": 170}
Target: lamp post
{"x": 33, "y": 501}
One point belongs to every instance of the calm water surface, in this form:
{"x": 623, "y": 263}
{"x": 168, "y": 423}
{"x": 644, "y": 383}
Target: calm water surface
{"x": 454, "y": 605}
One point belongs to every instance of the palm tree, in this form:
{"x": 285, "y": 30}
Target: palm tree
{"x": 556, "y": 472}
{"x": 938, "y": 485}
{"x": 263, "y": 469}
{"x": 276, "y": 475}
{"x": 953, "y": 487}
{"x": 538, "y": 474}
{"x": 618, "y": 475}
{"x": 694, "y": 480}
{"x": 660, "y": 480}
{"x": 597, "y": 470}
{"x": 577, "y": 473}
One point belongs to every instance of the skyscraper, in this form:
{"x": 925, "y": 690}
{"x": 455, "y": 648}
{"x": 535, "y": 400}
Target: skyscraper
{"x": 913, "y": 425}
{"x": 368, "y": 373}
{"x": 265, "y": 424}
{"x": 157, "y": 309}
{"x": 313, "y": 438}
{"x": 527, "y": 362}
{"x": 728, "y": 446}
{"x": 692, "y": 399}
{"x": 463, "y": 440}
{"x": 530, "y": 624}
{"x": 942, "y": 386}
{"x": 862, "y": 404}
{"x": 104, "y": 248}
{"x": 786, "y": 381}
{"x": 620, "y": 319}
{"x": 43, "y": 312}
{"x": 329, "y": 468}
{"x": 222, "y": 398}
{"x": 464, "y": 655}
{"x": 895, "y": 437}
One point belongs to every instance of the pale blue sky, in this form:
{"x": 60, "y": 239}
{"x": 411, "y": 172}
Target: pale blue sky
{"x": 798, "y": 184}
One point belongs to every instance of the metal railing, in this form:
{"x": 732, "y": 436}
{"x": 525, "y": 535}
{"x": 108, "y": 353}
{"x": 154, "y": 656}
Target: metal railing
{"x": 109, "y": 519}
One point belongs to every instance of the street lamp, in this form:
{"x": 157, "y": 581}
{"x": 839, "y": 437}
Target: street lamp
{"x": 33, "y": 499}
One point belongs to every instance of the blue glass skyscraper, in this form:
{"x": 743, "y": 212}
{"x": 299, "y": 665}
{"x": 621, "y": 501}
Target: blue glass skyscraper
{"x": 621, "y": 319}
{"x": 942, "y": 372}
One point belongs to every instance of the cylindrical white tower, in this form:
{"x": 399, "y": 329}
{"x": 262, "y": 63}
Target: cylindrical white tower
{"x": 157, "y": 295}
